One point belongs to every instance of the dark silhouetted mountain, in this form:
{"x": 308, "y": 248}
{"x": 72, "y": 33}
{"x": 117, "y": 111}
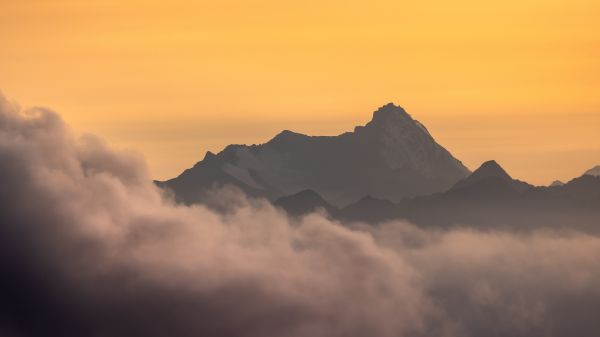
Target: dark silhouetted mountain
{"x": 556, "y": 183}
{"x": 304, "y": 202}
{"x": 595, "y": 171}
{"x": 370, "y": 210}
{"x": 391, "y": 157}
{"x": 489, "y": 169}
{"x": 489, "y": 198}
{"x": 489, "y": 179}
{"x": 584, "y": 190}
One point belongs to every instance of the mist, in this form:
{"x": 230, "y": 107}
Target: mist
{"x": 89, "y": 246}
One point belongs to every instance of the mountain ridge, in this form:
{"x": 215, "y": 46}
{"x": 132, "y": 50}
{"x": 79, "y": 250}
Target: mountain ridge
{"x": 594, "y": 171}
{"x": 490, "y": 202}
{"x": 392, "y": 156}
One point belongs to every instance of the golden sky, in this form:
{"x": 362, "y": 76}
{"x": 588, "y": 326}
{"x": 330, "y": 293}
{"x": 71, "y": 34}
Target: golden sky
{"x": 515, "y": 81}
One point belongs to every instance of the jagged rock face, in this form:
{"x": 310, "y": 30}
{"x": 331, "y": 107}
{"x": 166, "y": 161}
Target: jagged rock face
{"x": 404, "y": 142}
{"x": 391, "y": 157}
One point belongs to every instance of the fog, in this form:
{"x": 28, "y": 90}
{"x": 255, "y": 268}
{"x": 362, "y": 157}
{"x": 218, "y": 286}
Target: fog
{"x": 89, "y": 246}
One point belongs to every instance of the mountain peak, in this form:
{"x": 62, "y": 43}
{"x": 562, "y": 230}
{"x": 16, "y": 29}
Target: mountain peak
{"x": 389, "y": 112}
{"x": 392, "y": 157}
{"x": 287, "y": 136}
{"x": 209, "y": 155}
{"x": 488, "y": 170}
{"x": 288, "y": 133}
{"x": 491, "y": 169}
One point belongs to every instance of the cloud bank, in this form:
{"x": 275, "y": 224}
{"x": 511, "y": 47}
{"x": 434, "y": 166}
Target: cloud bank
{"x": 90, "y": 247}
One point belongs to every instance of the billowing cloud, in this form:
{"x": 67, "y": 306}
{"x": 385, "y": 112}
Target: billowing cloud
{"x": 90, "y": 247}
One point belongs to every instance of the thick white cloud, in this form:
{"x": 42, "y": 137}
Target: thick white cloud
{"x": 90, "y": 247}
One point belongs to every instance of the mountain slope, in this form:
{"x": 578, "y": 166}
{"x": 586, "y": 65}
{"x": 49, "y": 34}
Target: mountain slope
{"x": 595, "y": 171}
{"x": 489, "y": 198}
{"x": 304, "y": 202}
{"x": 489, "y": 178}
{"x": 369, "y": 210}
{"x": 391, "y": 157}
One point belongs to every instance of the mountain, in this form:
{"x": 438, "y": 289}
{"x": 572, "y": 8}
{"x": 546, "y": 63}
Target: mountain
{"x": 584, "y": 190}
{"x": 369, "y": 210}
{"x": 489, "y": 177}
{"x": 556, "y": 183}
{"x": 391, "y": 157}
{"x": 304, "y": 202}
{"x": 490, "y": 198}
{"x": 489, "y": 184}
{"x": 595, "y": 171}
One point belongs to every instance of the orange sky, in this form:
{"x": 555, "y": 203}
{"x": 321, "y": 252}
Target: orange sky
{"x": 515, "y": 81}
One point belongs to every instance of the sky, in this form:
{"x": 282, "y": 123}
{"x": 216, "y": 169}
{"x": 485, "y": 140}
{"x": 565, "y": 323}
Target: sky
{"x": 514, "y": 81}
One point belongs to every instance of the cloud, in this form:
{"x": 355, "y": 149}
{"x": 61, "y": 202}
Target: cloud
{"x": 90, "y": 247}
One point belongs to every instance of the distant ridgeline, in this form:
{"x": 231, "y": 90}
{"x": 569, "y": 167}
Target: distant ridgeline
{"x": 488, "y": 198}
{"x": 391, "y": 168}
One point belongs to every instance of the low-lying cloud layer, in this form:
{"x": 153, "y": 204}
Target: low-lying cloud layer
{"x": 90, "y": 247}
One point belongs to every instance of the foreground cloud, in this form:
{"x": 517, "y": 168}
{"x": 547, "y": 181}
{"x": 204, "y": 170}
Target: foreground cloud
{"x": 90, "y": 247}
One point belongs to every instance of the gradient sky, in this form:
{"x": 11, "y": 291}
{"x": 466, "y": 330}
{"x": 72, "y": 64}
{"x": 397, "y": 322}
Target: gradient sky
{"x": 515, "y": 81}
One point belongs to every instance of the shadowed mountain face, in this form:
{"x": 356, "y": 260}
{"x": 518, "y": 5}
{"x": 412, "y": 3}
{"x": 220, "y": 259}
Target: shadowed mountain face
{"x": 513, "y": 204}
{"x": 488, "y": 198}
{"x": 304, "y": 202}
{"x": 391, "y": 157}
{"x": 489, "y": 178}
